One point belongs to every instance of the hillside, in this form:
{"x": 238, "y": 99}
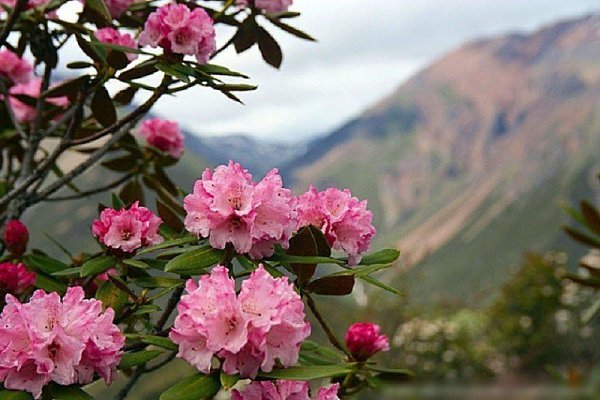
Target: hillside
{"x": 466, "y": 163}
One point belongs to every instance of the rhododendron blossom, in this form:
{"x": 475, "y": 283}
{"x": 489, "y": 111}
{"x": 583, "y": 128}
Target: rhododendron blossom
{"x": 283, "y": 390}
{"x": 248, "y": 330}
{"x": 269, "y": 6}
{"x": 228, "y": 207}
{"x": 117, "y": 7}
{"x": 113, "y": 36}
{"x": 49, "y": 339}
{"x": 14, "y": 67}
{"x": 30, "y": 4}
{"x": 127, "y": 229}
{"x": 364, "y": 339}
{"x": 15, "y": 278}
{"x": 15, "y": 237}
{"x": 344, "y": 220}
{"x": 164, "y": 135}
{"x": 24, "y": 112}
{"x": 177, "y": 29}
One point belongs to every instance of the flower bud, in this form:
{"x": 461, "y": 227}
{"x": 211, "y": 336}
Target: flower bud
{"x": 16, "y": 237}
{"x": 363, "y": 339}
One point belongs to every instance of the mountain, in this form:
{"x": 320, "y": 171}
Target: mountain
{"x": 465, "y": 164}
{"x": 258, "y": 156}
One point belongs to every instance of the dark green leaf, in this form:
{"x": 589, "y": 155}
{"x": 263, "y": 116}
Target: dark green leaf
{"x": 332, "y": 285}
{"x": 228, "y": 381}
{"x": 139, "y": 71}
{"x": 97, "y": 265}
{"x": 59, "y": 392}
{"x": 141, "y": 357}
{"x": 582, "y": 237}
{"x": 169, "y": 216}
{"x": 89, "y": 50}
{"x": 169, "y": 243}
{"x": 117, "y": 60}
{"x": 309, "y": 241}
{"x": 132, "y": 192}
{"x": 14, "y": 395}
{"x": 381, "y": 285}
{"x": 120, "y": 164}
{"x": 79, "y": 65}
{"x": 146, "y": 309}
{"x": 136, "y": 263}
{"x": 385, "y": 256}
{"x": 194, "y": 262}
{"x": 44, "y": 263}
{"x": 49, "y": 284}
{"x": 100, "y": 8}
{"x": 306, "y": 373}
{"x": 291, "y": 30}
{"x": 152, "y": 282}
{"x": 196, "y": 387}
{"x": 70, "y": 272}
{"x": 103, "y": 108}
{"x": 393, "y": 374}
{"x": 246, "y": 35}
{"x": 126, "y": 96}
{"x": 68, "y": 88}
{"x": 591, "y": 215}
{"x": 269, "y": 48}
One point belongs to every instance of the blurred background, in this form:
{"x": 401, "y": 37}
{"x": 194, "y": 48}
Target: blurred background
{"x": 467, "y": 125}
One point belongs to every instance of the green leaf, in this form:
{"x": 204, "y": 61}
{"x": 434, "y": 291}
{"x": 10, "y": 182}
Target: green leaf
{"x": 139, "y": 71}
{"x": 126, "y": 95}
{"x": 269, "y": 48}
{"x": 14, "y": 395}
{"x": 582, "y": 237}
{"x": 117, "y": 60}
{"x": 194, "y": 262}
{"x": 49, "y": 284}
{"x": 169, "y": 243}
{"x": 116, "y": 202}
{"x": 44, "y": 263}
{"x": 103, "y": 108}
{"x": 68, "y": 88}
{"x": 174, "y": 72}
{"x": 290, "y": 29}
{"x": 138, "y": 358}
{"x": 70, "y": 272}
{"x": 91, "y": 51}
{"x": 111, "y": 296}
{"x": 392, "y": 374}
{"x": 152, "y": 282}
{"x": 228, "y": 381}
{"x": 100, "y": 7}
{"x": 306, "y": 373}
{"x": 361, "y": 271}
{"x": 213, "y": 69}
{"x": 195, "y": 387}
{"x": 340, "y": 285}
{"x": 120, "y": 164}
{"x": 59, "y": 392}
{"x": 136, "y": 263}
{"x": 160, "y": 341}
{"x": 169, "y": 216}
{"x": 385, "y": 256}
{"x": 121, "y": 49}
{"x": 381, "y": 285}
{"x": 146, "y": 309}
{"x": 246, "y": 35}
{"x": 591, "y": 215}
{"x": 98, "y": 265}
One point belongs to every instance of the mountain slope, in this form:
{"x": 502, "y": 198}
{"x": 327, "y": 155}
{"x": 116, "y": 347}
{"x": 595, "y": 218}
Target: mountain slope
{"x": 453, "y": 157}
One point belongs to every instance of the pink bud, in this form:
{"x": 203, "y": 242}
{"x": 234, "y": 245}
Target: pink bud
{"x": 363, "y": 339}
{"x": 16, "y": 237}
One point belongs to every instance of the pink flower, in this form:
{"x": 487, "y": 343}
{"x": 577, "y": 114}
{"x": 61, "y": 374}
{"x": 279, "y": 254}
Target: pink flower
{"x": 15, "y": 237}
{"x": 229, "y": 207}
{"x": 164, "y": 135}
{"x": 268, "y": 6}
{"x": 30, "y": 4}
{"x": 113, "y": 36}
{"x": 283, "y": 390}
{"x": 266, "y": 322}
{"x": 127, "y": 230}
{"x": 24, "y": 112}
{"x": 344, "y": 219}
{"x": 117, "y": 7}
{"x": 364, "y": 339}
{"x": 14, "y": 67}
{"x": 328, "y": 393}
{"x": 49, "y": 339}
{"x": 15, "y": 278}
{"x": 178, "y": 30}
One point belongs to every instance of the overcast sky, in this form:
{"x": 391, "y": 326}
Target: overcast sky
{"x": 366, "y": 49}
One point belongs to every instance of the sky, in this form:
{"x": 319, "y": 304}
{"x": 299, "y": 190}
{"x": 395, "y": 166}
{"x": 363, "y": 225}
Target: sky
{"x": 365, "y": 50}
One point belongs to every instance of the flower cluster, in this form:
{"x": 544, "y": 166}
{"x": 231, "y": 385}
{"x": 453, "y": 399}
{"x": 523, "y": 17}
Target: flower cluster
{"x": 343, "y": 219}
{"x": 283, "y": 390}
{"x": 15, "y": 237}
{"x": 264, "y": 323}
{"x": 13, "y": 67}
{"x": 30, "y": 4}
{"x": 268, "y": 6}
{"x": 15, "y": 278}
{"x": 49, "y": 339}
{"x": 177, "y": 29}
{"x": 363, "y": 339}
{"x": 127, "y": 229}
{"x": 24, "y": 112}
{"x": 113, "y": 36}
{"x": 230, "y": 208}
{"x": 163, "y": 135}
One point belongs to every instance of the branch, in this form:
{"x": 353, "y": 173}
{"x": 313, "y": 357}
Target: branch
{"x": 9, "y": 110}
{"x": 11, "y": 21}
{"x": 132, "y": 381}
{"x": 326, "y": 328}
{"x": 91, "y": 192}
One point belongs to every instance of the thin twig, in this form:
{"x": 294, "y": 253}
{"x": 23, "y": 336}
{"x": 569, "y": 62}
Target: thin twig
{"x": 91, "y": 192}
{"x": 11, "y": 21}
{"x": 10, "y": 111}
{"x": 132, "y": 381}
{"x": 326, "y": 328}
{"x": 171, "y": 304}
